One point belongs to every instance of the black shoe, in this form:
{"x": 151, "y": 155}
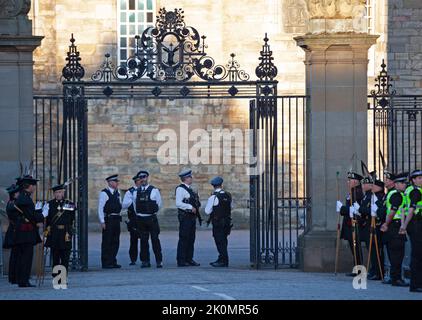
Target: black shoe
{"x": 183, "y": 264}
{"x": 159, "y": 265}
{"x": 194, "y": 263}
{"x": 399, "y": 283}
{"x": 108, "y": 267}
{"x": 133, "y": 263}
{"x": 351, "y": 274}
{"x": 220, "y": 265}
{"x": 216, "y": 261}
{"x": 416, "y": 290}
{"x": 386, "y": 281}
{"x": 117, "y": 266}
{"x": 146, "y": 265}
{"x": 26, "y": 285}
{"x": 374, "y": 277}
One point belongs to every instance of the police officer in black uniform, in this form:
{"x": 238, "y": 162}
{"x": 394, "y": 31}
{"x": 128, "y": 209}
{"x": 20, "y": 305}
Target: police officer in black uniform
{"x": 382, "y": 213}
{"x": 219, "y": 207}
{"x": 26, "y": 217}
{"x": 60, "y": 216}
{"x": 349, "y": 212}
{"x": 187, "y": 203}
{"x": 109, "y": 207}
{"x": 146, "y": 202}
{"x": 413, "y": 226}
{"x": 9, "y": 239}
{"x": 134, "y": 233}
{"x": 395, "y": 204}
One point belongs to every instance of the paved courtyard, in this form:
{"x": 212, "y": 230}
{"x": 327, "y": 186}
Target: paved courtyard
{"x": 200, "y": 283}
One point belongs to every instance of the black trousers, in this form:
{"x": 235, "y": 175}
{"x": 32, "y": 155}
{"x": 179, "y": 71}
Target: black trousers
{"x": 149, "y": 226}
{"x": 110, "y": 242}
{"x": 60, "y": 257}
{"x": 24, "y": 255}
{"x": 187, "y": 229}
{"x": 415, "y": 235}
{"x": 219, "y": 232}
{"x": 374, "y": 268}
{"x": 396, "y": 249}
{"x": 12, "y": 265}
{"x": 359, "y": 257}
{"x": 133, "y": 247}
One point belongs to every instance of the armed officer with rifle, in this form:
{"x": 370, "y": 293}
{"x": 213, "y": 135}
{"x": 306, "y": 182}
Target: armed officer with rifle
{"x": 187, "y": 203}
{"x": 219, "y": 207}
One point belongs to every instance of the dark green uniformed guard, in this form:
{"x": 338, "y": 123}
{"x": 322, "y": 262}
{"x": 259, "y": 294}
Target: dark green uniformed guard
{"x": 413, "y": 225}
{"x": 10, "y": 236}
{"x": 109, "y": 208}
{"x": 187, "y": 203}
{"x": 219, "y": 207}
{"x": 395, "y": 204}
{"x": 60, "y": 216}
{"x": 26, "y": 217}
{"x": 379, "y": 214}
{"x": 348, "y": 211}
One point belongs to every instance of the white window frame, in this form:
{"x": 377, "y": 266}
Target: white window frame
{"x": 136, "y": 24}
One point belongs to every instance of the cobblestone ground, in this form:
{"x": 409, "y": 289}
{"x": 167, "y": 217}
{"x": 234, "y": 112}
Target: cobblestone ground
{"x": 200, "y": 283}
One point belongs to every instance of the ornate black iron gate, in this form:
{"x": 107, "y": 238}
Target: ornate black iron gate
{"x": 166, "y": 58}
{"x": 396, "y": 133}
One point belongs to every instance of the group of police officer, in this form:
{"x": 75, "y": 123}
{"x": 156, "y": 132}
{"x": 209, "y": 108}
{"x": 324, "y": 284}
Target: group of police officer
{"x": 395, "y": 206}
{"x": 143, "y": 201}
{"x": 25, "y": 218}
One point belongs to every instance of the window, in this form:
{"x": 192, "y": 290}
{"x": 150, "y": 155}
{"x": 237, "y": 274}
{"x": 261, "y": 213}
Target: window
{"x": 134, "y": 16}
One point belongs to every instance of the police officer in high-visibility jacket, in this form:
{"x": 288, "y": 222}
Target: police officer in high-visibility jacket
{"x": 219, "y": 207}
{"x": 395, "y": 204}
{"x": 413, "y": 226}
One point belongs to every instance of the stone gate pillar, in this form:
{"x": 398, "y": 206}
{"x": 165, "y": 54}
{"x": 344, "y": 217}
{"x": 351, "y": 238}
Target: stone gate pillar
{"x": 336, "y": 81}
{"x": 16, "y": 113}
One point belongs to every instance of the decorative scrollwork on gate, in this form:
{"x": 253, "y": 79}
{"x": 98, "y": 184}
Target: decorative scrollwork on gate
{"x": 171, "y": 51}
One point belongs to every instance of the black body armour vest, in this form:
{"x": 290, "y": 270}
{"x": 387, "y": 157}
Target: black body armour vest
{"x": 193, "y": 199}
{"x": 223, "y": 209}
{"x": 144, "y": 204}
{"x": 113, "y": 204}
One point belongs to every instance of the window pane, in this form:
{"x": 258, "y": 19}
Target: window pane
{"x": 131, "y": 4}
{"x": 132, "y": 42}
{"x": 122, "y": 17}
{"x": 122, "y": 42}
{"x": 131, "y": 52}
{"x": 149, "y": 4}
{"x": 149, "y": 17}
{"x": 122, "y": 29}
{"x": 141, "y": 17}
{"x": 123, "y": 4}
{"x": 140, "y": 4}
{"x": 132, "y": 30}
{"x": 123, "y": 55}
{"x": 132, "y": 17}
{"x": 140, "y": 29}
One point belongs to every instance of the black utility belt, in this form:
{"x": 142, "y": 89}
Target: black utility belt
{"x": 114, "y": 216}
{"x": 146, "y": 215}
